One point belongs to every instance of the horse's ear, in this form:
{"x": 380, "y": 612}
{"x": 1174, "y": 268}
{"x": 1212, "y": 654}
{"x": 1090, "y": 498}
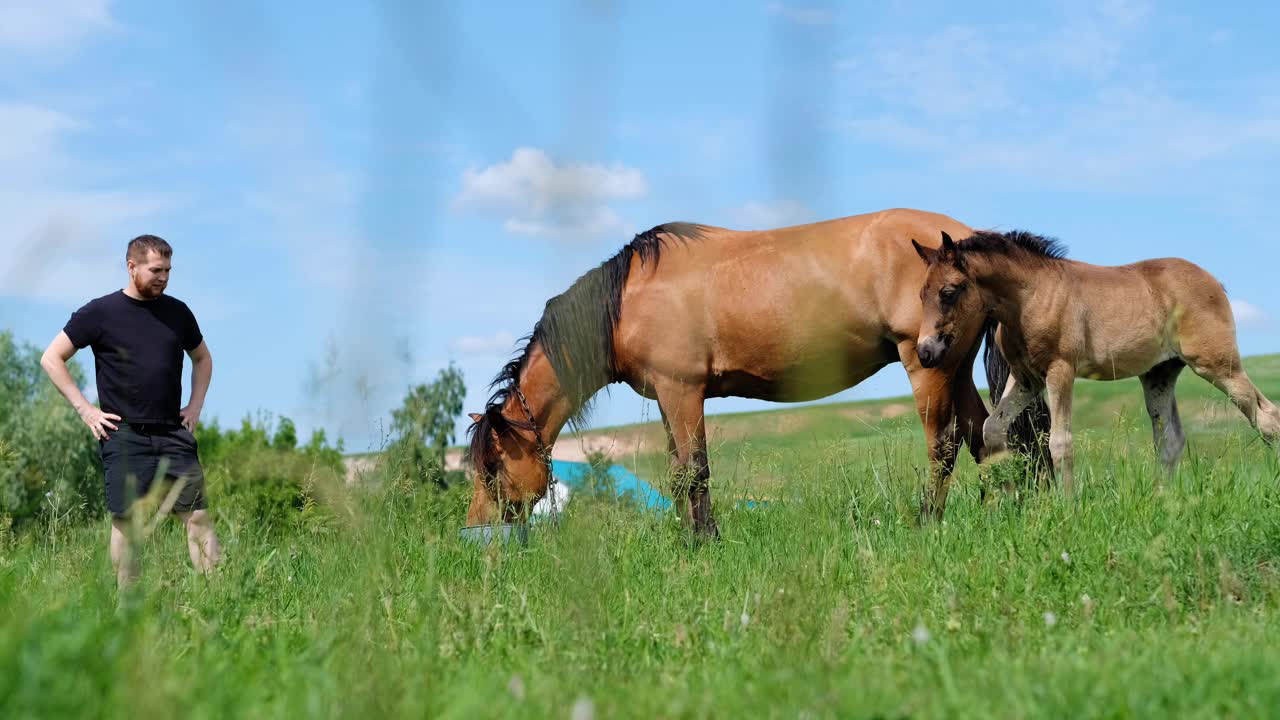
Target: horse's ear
{"x": 475, "y": 417}
{"x": 950, "y": 252}
{"x": 925, "y": 253}
{"x": 497, "y": 421}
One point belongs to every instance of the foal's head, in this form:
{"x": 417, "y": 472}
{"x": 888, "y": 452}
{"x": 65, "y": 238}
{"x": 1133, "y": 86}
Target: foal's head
{"x": 953, "y": 307}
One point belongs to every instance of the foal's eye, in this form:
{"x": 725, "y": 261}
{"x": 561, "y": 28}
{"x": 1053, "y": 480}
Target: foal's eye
{"x": 948, "y": 293}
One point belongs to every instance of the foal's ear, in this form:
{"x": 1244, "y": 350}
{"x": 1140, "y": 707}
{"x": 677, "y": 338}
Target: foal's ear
{"x": 947, "y": 243}
{"x": 925, "y": 253}
{"x": 950, "y": 252}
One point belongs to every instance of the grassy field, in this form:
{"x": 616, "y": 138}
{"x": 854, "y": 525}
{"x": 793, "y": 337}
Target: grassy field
{"x": 1141, "y": 598}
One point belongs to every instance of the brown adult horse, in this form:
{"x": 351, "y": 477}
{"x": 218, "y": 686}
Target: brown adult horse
{"x": 1060, "y": 319}
{"x": 686, "y": 312}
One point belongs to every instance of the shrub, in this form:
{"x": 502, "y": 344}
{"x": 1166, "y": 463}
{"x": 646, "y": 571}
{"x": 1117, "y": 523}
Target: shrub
{"x": 50, "y": 461}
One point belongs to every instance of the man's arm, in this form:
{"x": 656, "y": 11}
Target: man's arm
{"x": 54, "y": 362}
{"x": 201, "y": 374}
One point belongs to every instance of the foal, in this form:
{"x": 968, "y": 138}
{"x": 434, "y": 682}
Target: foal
{"x": 1061, "y": 319}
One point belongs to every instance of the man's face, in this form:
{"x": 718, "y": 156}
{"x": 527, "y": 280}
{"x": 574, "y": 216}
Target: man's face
{"x": 151, "y": 276}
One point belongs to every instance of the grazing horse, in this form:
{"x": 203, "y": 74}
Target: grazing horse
{"x": 1060, "y": 319}
{"x": 686, "y": 312}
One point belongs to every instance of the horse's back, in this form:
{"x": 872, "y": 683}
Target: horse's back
{"x": 787, "y": 313}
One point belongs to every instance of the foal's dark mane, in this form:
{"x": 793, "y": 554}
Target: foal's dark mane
{"x": 1014, "y": 242}
{"x": 576, "y": 334}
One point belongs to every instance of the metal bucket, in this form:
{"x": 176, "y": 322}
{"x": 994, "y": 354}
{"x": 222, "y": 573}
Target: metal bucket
{"x": 506, "y": 532}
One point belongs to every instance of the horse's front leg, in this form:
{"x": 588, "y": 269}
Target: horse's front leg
{"x": 1061, "y": 382}
{"x": 936, "y": 403}
{"x": 682, "y": 414}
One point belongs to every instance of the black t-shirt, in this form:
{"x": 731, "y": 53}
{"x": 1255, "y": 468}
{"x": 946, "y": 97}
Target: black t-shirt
{"x": 137, "y": 353}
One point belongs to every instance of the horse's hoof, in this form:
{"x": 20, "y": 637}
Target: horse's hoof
{"x": 928, "y": 517}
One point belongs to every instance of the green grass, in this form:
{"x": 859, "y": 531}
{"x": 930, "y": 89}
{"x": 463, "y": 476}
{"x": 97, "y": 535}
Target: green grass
{"x": 379, "y": 610}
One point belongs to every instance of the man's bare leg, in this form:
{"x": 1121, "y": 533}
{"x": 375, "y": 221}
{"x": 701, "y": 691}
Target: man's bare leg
{"x": 202, "y": 541}
{"x": 123, "y": 556}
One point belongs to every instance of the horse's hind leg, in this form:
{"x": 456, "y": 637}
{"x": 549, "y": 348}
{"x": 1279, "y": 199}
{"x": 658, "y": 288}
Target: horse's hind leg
{"x": 1162, "y": 406}
{"x": 1261, "y": 412}
{"x": 682, "y": 413}
{"x": 1222, "y": 367}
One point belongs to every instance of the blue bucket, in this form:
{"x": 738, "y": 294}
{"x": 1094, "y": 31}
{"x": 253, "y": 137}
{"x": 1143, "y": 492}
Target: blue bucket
{"x": 505, "y": 533}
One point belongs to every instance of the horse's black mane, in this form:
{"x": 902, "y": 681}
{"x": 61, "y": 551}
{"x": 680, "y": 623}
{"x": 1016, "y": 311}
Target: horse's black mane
{"x": 576, "y": 334}
{"x": 985, "y": 241}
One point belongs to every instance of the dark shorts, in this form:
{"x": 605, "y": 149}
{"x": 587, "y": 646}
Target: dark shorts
{"x": 136, "y": 457}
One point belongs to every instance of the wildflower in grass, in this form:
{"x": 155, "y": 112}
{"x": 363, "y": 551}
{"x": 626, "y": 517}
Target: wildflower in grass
{"x": 583, "y": 709}
{"x": 1050, "y": 619}
{"x": 1066, "y": 557}
{"x": 920, "y": 636}
{"x": 1087, "y": 603}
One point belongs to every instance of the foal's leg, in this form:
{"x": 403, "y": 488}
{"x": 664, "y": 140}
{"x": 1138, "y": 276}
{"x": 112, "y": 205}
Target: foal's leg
{"x": 681, "y": 406}
{"x": 935, "y": 402}
{"x": 1208, "y": 346}
{"x": 995, "y": 431}
{"x": 1061, "y": 380}
{"x": 1162, "y": 406}
{"x": 1230, "y": 378}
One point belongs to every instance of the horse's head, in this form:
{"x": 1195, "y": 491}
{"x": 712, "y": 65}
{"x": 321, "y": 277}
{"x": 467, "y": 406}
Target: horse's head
{"x": 953, "y": 306}
{"x": 509, "y": 464}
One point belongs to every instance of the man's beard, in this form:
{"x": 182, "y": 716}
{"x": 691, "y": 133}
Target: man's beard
{"x": 150, "y": 292}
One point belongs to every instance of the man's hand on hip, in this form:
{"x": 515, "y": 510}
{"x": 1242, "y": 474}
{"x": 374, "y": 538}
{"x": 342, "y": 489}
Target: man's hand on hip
{"x": 190, "y": 416}
{"x": 98, "y": 421}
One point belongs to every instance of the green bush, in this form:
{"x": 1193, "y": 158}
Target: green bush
{"x": 258, "y": 473}
{"x": 49, "y": 465}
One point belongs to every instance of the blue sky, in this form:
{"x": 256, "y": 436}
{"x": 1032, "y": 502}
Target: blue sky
{"x": 359, "y": 195}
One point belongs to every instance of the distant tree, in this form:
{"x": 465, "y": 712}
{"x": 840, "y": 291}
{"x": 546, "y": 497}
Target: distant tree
{"x": 286, "y": 437}
{"x": 423, "y": 426}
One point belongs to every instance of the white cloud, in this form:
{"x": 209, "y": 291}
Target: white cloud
{"x": 765, "y": 216}
{"x": 43, "y": 26}
{"x": 584, "y": 222}
{"x": 31, "y": 137}
{"x": 1249, "y": 315}
{"x": 536, "y": 196}
{"x": 1077, "y": 107}
{"x": 954, "y": 71}
{"x": 58, "y": 247}
{"x": 499, "y": 343}
{"x": 800, "y": 15}
{"x": 59, "y": 241}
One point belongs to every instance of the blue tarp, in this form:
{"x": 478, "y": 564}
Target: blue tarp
{"x": 574, "y": 474}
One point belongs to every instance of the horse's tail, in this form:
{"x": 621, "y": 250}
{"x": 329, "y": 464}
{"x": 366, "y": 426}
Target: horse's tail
{"x": 1029, "y": 432}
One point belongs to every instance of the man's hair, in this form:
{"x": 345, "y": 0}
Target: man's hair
{"x": 141, "y": 245}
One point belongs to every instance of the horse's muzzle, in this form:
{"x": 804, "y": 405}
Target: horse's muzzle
{"x": 931, "y": 350}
